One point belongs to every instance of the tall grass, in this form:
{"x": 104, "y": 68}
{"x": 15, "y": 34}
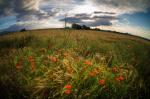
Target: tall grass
{"x": 73, "y": 65}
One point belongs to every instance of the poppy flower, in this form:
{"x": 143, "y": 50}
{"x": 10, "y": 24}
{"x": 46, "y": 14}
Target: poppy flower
{"x": 114, "y": 69}
{"x": 91, "y": 74}
{"x": 87, "y": 62}
{"x": 31, "y": 59}
{"x": 18, "y": 66}
{"x": 67, "y": 92}
{"x": 119, "y": 78}
{"x": 33, "y": 66}
{"x": 67, "y": 86}
{"x": 53, "y": 59}
{"x": 102, "y": 82}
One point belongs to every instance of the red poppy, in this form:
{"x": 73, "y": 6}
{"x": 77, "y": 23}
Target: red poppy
{"x": 33, "y": 66}
{"x": 91, "y": 74}
{"x": 68, "y": 86}
{"x": 31, "y": 59}
{"x": 114, "y": 69}
{"x": 53, "y": 59}
{"x": 87, "y": 62}
{"x": 119, "y": 78}
{"x": 67, "y": 92}
{"x": 18, "y": 66}
{"x": 102, "y": 82}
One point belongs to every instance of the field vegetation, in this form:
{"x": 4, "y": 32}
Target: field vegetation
{"x": 73, "y": 64}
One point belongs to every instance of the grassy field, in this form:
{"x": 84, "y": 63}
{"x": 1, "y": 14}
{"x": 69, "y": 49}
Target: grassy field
{"x": 74, "y": 64}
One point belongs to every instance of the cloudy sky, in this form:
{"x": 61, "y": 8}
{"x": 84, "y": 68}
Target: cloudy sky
{"x": 132, "y": 16}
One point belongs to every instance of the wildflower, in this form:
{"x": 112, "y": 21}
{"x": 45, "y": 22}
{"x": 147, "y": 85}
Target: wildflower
{"x": 53, "y": 59}
{"x": 33, "y": 66}
{"x": 119, "y": 78}
{"x": 31, "y": 59}
{"x": 102, "y": 82}
{"x": 32, "y": 62}
{"x": 67, "y": 89}
{"x": 18, "y": 66}
{"x": 67, "y": 86}
{"x": 114, "y": 69}
{"x": 91, "y": 74}
{"x": 67, "y": 92}
{"x": 87, "y": 62}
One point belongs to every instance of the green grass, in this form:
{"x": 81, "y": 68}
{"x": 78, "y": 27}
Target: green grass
{"x": 97, "y": 65}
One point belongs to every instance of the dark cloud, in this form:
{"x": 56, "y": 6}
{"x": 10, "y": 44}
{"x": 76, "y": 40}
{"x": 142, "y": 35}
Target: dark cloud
{"x": 72, "y": 20}
{"x": 83, "y": 16}
{"x": 106, "y": 17}
{"x": 99, "y": 23}
{"x": 101, "y": 12}
{"x": 24, "y": 9}
{"x": 5, "y": 7}
{"x": 126, "y": 6}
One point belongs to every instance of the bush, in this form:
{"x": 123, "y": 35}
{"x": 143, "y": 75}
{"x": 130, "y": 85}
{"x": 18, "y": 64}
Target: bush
{"x": 76, "y": 26}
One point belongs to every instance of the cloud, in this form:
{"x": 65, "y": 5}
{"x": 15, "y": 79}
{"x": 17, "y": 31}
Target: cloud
{"x": 99, "y": 23}
{"x": 122, "y": 6}
{"x": 89, "y": 20}
{"x": 24, "y": 9}
{"x": 72, "y": 20}
{"x": 101, "y": 12}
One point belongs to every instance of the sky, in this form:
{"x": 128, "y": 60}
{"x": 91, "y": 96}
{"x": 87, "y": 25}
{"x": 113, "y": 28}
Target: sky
{"x": 126, "y": 16}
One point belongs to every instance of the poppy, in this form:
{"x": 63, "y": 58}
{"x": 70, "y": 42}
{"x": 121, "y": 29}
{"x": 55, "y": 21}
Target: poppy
{"x": 87, "y": 62}
{"x": 68, "y": 86}
{"x": 114, "y": 69}
{"x": 67, "y": 92}
{"x": 102, "y": 82}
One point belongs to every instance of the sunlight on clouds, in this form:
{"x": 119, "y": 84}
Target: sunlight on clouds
{"x": 87, "y": 7}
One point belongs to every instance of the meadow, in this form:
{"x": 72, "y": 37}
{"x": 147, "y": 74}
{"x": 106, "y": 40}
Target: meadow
{"x": 74, "y": 64}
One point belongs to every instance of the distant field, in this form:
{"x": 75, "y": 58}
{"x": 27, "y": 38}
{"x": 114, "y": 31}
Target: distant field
{"x": 74, "y": 64}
